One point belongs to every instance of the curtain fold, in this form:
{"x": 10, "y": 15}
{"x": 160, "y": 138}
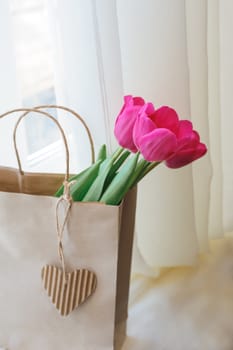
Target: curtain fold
{"x": 196, "y": 37}
{"x": 225, "y": 8}
{"x": 155, "y": 65}
{"x": 215, "y": 142}
{"x": 87, "y": 68}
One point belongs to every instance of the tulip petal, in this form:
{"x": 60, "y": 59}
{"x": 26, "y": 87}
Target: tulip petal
{"x": 124, "y": 130}
{"x": 185, "y": 129}
{"x": 186, "y": 136}
{"x": 138, "y": 101}
{"x": 129, "y": 100}
{"x": 158, "y": 145}
{"x": 142, "y": 126}
{"x": 148, "y": 108}
{"x": 125, "y": 121}
{"x": 186, "y": 156}
{"x": 166, "y": 117}
{"x": 195, "y": 138}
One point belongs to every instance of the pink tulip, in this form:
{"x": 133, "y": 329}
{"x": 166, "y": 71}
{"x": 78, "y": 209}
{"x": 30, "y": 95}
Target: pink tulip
{"x": 125, "y": 122}
{"x": 158, "y": 134}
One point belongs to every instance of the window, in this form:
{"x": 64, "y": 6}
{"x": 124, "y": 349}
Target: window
{"x": 35, "y": 70}
{"x": 54, "y": 52}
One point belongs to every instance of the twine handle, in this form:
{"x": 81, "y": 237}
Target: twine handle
{"x": 37, "y": 110}
{"x": 76, "y": 115}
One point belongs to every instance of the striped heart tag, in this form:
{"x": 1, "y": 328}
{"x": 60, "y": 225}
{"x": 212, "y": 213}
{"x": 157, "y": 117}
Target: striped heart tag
{"x": 68, "y": 294}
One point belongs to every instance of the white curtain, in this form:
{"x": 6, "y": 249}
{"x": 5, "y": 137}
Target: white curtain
{"x": 172, "y": 52}
{"x": 10, "y": 94}
{"x": 176, "y": 53}
{"x": 9, "y": 91}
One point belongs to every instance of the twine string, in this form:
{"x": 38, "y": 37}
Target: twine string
{"x": 66, "y": 197}
{"x": 38, "y": 110}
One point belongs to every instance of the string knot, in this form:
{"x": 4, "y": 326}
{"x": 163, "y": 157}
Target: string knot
{"x": 61, "y": 227}
{"x": 66, "y": 193}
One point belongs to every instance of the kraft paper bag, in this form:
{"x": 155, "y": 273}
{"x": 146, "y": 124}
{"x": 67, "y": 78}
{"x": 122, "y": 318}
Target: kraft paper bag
{"x": 97, "y": 237}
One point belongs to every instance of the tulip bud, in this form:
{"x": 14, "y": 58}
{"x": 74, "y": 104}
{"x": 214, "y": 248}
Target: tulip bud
{"x": 125, "y": 122}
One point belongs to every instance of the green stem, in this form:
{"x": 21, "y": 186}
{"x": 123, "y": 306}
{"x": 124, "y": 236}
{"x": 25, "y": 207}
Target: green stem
{"x": 147, "y": 169}
{"x": 142, "y": 164}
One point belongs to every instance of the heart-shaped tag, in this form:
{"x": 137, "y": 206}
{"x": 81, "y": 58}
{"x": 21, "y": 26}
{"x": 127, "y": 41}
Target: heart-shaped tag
{"x": 67, "y": 294}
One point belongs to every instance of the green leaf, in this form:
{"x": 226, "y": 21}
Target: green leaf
{"x": 95, "y": 191}
{"x": 140, "y": 168}
{"x": 120, "y": 184}
{"x": 118, "y": 163}
{"x": 102, "y": 155}
{"x": 81, "y": 187}
{"x": 77, "y": 177}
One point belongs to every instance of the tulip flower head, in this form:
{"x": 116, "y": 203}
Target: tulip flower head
{"x": 157, "y": 134}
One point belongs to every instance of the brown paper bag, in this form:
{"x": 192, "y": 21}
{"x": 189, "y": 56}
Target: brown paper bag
{"x": 98, "y": 237}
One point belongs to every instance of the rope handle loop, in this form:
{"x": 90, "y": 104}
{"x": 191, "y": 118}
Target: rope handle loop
{"x": 37, "y": 109}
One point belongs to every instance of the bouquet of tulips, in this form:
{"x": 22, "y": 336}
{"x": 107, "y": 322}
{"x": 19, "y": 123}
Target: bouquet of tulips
{"x": 147, "y": 137}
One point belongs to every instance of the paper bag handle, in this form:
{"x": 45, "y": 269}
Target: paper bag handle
{"x": 46, "y": 114}
{"x": 76, "y": 115}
